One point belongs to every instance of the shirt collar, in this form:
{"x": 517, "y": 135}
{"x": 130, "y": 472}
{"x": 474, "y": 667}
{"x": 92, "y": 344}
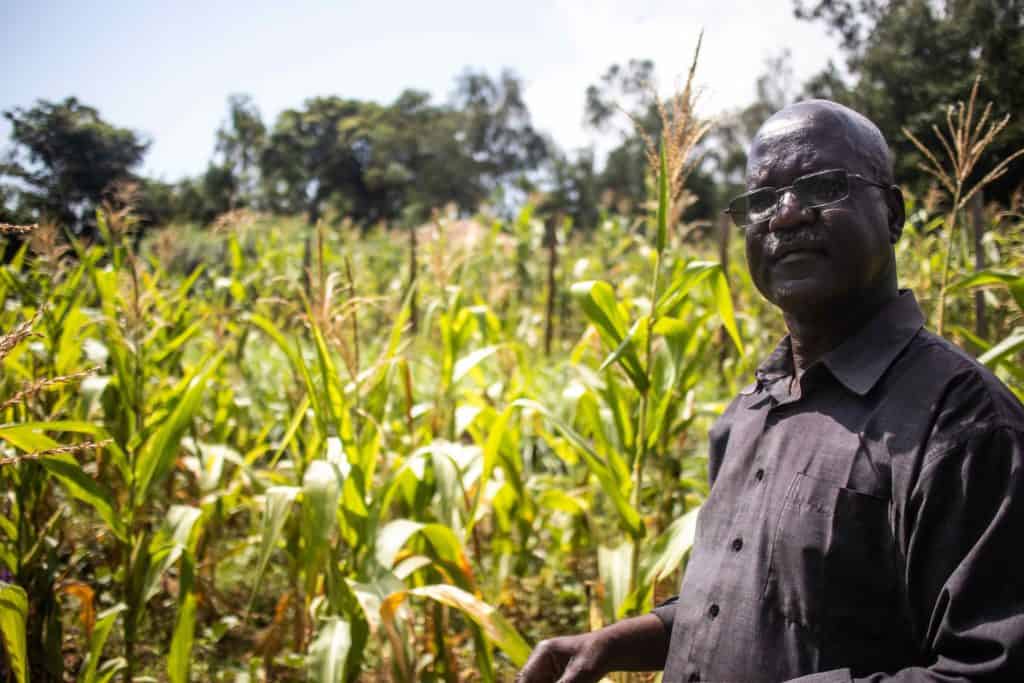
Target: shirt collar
{"x": 860, "y": 361}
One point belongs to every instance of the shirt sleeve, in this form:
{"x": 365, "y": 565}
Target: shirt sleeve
{"x": 666, "y": 611}
{"x": 961, "y": 538}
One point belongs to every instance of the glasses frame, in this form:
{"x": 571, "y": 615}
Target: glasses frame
{"x": 779, "y": 191}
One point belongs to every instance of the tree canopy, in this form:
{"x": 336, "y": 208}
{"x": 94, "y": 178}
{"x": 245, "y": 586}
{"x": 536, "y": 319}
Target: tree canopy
{"x": 909, "y": 59}
{"x": 65, "y": 156}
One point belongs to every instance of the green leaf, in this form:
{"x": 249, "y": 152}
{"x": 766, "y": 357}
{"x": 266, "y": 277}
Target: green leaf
{"x": 100, "y": 632}
{"x": 723, "y": 302}
{"x": 299, "y": 367}
{"x": 157, "y": 457}
{"x": 13, "y": 615}
{"x": 492, "y": 447}
{"x": 497, "y": 629}
{"x": 79, "y": 427}
{"x": 171, "y": 541}
{"x": 80, "y": 485}
{"x": 628, "y": 343}
{"x": 321, "y": 490}
{"x": 611, "y": 486}
{"x": 470, "y": 361}
{"x": 392, "y": 538}
{"x": 1011, "y": 345}
{"x": 277, "y": 505}
{"x": 602, "y": 310}
{"x": 556, "y": 499}
{"x": 65, "y": 469}
{"x": 329, "y": 652}
{"x": 179, "y": 341}
{"x": 293, "y": 427}
{"x": 615, "y": 566}
{"x": 683, "y": 281}
{"x": 179, "y": 658}
{"x": 988, "y": 278}
{"x": 444, "y": 547}
{"x": 667, "y": 552}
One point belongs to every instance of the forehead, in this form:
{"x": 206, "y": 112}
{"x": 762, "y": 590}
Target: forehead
{"x": 790, "y": 146}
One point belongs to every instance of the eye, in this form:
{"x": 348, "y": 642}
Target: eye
{"x": 761, "y": 203}
{"x": 822, "y": 188}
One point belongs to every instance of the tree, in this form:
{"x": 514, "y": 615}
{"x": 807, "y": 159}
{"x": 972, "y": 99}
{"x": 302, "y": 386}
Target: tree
{"x": 240, "y": 144}
{"x": 65, "y": 157}
{"x": 495, "y": 125}
{"x": 908, "y": 60}
{"x": 371, "y": 162}
{"x": 316, "y": 154}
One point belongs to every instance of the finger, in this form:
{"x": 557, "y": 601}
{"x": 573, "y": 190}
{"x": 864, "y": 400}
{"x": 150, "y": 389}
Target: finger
{"x": 539, "y": 668}
{"x": 579, "y": 671}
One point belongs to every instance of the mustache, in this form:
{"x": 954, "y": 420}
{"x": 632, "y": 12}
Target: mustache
{"x": 779, "y": 243}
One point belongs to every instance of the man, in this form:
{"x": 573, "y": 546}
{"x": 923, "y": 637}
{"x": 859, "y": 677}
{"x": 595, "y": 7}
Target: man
{"x": 867, "y": 494}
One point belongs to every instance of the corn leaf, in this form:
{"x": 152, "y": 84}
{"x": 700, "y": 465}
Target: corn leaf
{"x": 597, "y": 299}
{"x": 470, "y": 361}
{"x": 329, "y": 652}
{"x": 321, "y": 490}
{"x": 100, "y": 632}
{"x": 616, "y": 490}
{"x": 497, "y": 629}
{"x": 65, "y": 469}
{"x": 685, "y": 279}
{"x": 179, "y": 658}
{"x": 277, "y": 505}
{"x": 1004, "y": 349}
{"x": 160, "y": 451}
{"x": 13, "y": 616}
{"x": 723, "y": 302}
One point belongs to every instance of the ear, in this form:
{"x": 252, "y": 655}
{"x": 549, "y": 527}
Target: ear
{"x": 897, "y": 212}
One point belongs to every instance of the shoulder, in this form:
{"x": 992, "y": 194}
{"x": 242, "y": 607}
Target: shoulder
{"x": 718, "y": 436}
{"x": 963, "y": 399}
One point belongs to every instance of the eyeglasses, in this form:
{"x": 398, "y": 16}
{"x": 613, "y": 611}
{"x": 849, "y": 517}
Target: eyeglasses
{"x": 812, "y": 190}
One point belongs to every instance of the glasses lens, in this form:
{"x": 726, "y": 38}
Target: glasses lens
{"x": 822, "y": 188}
{"x": 753, "y": 207}
{"x": 761, "y": 205}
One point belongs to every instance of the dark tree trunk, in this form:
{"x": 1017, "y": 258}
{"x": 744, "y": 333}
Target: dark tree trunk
{"x": 551, "y": 240}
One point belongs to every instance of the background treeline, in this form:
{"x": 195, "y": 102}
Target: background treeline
{"x": 338, "y": 158}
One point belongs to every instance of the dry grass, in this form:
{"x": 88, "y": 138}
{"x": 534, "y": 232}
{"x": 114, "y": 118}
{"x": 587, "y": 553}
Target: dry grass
{"x": 962, "y": 145}
{"x": 681, "y": 132}
{"x": 18, "y": 334}
{"x": 34, "y": 388}
{"x": 72, "y": 450}
{"x": 10, "y": 229}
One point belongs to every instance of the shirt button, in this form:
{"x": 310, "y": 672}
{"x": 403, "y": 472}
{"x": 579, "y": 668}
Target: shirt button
{"x": 759, "y": 475}
{"x": 713, "y": 611}
{"x": 737, "y": 544}
{"x": 695, "y": 677}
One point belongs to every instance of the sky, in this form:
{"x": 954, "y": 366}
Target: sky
{"x": 166, "y": 69}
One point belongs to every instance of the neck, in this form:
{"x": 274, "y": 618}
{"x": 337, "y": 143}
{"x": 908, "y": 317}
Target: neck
{"x": 815, "y": 335}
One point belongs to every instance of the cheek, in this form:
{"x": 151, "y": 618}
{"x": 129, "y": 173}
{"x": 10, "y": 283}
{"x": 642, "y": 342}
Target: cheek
{"x": 755, "y": 260}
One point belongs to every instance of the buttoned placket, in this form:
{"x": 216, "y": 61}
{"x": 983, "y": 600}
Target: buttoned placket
{"x": 708, "y": 634}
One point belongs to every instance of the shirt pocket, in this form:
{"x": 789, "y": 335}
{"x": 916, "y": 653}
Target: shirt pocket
{"x": 831, "y": 555}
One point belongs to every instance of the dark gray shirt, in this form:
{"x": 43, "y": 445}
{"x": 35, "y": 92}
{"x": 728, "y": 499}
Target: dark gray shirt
{"x": 864, "y": 522}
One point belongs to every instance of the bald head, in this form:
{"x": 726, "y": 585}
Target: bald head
{"x": 817, "y": 119}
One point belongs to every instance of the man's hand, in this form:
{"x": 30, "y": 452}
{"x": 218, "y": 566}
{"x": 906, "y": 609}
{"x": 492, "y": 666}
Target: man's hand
{"x": 637, "y": 644}
{"x": 568, "y": 659}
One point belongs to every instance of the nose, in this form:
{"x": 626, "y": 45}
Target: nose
{"x": 790, "y": 214}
